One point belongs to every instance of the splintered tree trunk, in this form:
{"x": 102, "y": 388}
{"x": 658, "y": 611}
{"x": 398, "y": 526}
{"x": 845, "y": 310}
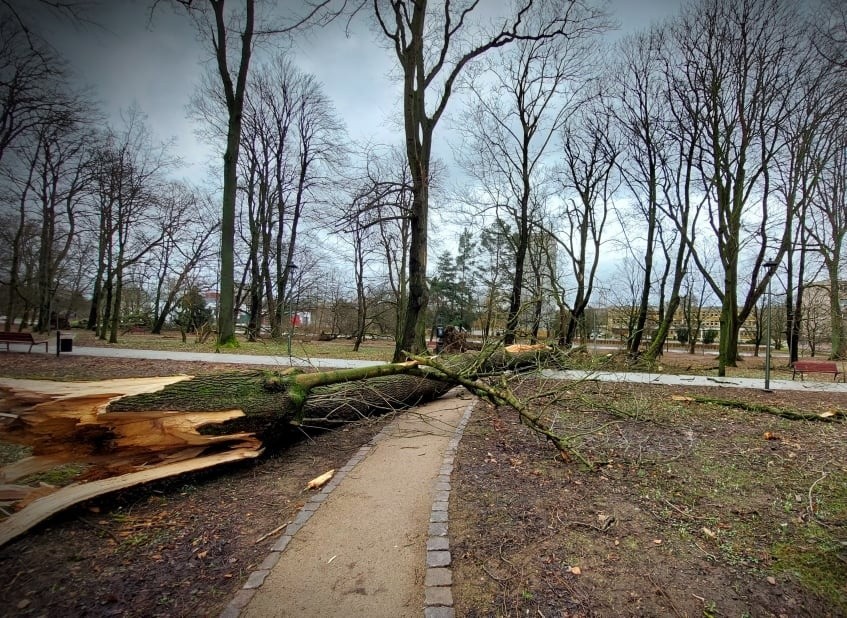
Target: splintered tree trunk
{"x": 274, "y": 405}
{"x": 138, "y": 430}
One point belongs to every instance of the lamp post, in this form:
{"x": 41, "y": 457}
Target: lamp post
{"x": 770, "y": 265}
{"x": 291, "y": 269}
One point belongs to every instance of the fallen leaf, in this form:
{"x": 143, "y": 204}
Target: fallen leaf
{"x": 576, "y": 570}
{"x": 827, "y": 414}
{"x": 202, "y": 554}
{"x": 771, "y": 580}
{"x": 771, "y": 436}
{"x": 320, "y": 481}
{"x": 657, "y": 541}
{"x": 23, "y": 603}
{"x": 708, "y": 532}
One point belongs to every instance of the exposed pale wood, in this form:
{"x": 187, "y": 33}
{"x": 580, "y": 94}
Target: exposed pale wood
{"x": 320, "y": 481}
{"x": 39, "y": 510}
{"x": 42, "y": 390}
{"x": 30, "y": 465}
{"x": 15, "y": 493}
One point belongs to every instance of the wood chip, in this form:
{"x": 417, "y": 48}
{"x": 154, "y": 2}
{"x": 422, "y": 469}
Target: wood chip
{"x": 320, "y": 481}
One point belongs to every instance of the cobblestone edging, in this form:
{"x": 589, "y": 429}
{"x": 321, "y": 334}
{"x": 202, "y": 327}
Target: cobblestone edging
{"x": 257, "y": 577}
{"x": 438, "y": 585}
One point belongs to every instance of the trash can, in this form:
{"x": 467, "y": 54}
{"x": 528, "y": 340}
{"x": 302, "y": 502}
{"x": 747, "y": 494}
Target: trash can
{"x": 66, "y": 342}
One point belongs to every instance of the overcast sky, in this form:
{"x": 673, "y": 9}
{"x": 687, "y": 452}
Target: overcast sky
{"x": 128, "y": 59}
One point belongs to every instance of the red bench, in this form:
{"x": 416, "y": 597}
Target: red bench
{"x": 804, "y": 367}
{"x": 21, "y": 338}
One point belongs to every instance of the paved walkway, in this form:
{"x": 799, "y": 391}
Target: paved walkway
{"x": 212, "y": 357}
{"x": 375, "y": 545}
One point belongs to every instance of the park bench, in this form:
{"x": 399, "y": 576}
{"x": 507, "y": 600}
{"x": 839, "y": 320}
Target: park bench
{"x": 804, "y": 367}
{"x": 21, "y": 338}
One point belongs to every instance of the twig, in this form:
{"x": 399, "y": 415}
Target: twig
{"x": 705, "y": 552}
{"x": 679, "y": 510}
{"x": 496, "y": 579}
{"x": 812, "y": 512}
{"x": 811, "y": 499}
{"x": 502, "y": 396}
{"x": 664, "y": 594}
{"x": 99, "y": 527}
{"x": 271, "y": 533}
{"x": 791, "y": 415}
{"x": 606, "y": 524}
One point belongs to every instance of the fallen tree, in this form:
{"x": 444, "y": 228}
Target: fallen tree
{"x": 135, "y": 431}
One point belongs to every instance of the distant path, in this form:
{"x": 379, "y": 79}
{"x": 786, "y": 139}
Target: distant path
{"x": 213, "y": 357}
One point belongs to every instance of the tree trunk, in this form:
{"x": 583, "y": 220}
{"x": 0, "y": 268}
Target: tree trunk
{"x": 234, "y": 95}
{"x": 414, "y": 326}
{"x": 837, "y": 335}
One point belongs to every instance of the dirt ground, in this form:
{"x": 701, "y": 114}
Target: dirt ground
{"x": 695, "y": 509}
{"x": 176, "y": 548}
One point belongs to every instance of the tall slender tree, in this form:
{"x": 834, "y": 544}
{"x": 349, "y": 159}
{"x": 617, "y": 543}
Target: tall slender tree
{"x": 433, "y": 46}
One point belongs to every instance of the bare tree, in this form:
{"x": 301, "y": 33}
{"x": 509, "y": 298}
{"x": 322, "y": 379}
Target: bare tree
{"x": 827, "y": 227}
{"x": 219, "y": 23}
{"x": 30, "y": 80}
{"x": 510, "y": 128}
{"x": 651, "y": 166}
{"x": 190, "y": 228}
{"x": 588, "y": 181}
{"x": 433, "y": 46}
{"x": 128, "y": 175}
{"x": 743, "y": 57}
{"x": 383, "y": 202}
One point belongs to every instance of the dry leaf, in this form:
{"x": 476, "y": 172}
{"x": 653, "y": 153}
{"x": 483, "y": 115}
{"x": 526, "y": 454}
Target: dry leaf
{"x": 770, "y": 436}
{"x": 827, "y": 414}
{"x": 771, "y": 580}
{"x": 708, "y": 532}
{"x": 321, "y": 480}
{"x": 657, "y": 541}
{"x": 576, "y": 570}
{"x": 681, "y": 398}
{"x": 202, "y": 554}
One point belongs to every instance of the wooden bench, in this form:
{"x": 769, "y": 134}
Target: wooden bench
{"x": 804, "y": 367}
{"x": 21, "y": 338}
